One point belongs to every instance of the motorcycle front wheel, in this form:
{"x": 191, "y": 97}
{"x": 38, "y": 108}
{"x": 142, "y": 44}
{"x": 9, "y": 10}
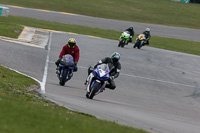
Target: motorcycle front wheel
{"x": 63, "y": 78}
{"x": 93, "y": 90}
{"x": 120, "y": 43}
{"x": 136, "y": 44}
{"x": 141, "y": 43}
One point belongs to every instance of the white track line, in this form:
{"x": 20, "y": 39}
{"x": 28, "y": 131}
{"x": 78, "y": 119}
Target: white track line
{"x": 24, "y": 74}
{"x": 163, "y": 81}
{"x": 46, "y": 66}
{"x": 134, "y": 76}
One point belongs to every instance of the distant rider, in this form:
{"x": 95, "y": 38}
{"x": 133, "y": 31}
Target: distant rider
{"x": 72, "y": 49}
{"x": 131, "y": 31}
{"x": 147, "y": 36}
{"x": 114, "y": 66}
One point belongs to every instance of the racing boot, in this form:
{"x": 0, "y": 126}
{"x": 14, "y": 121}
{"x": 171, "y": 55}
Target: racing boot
{"x": 58, "y": 70}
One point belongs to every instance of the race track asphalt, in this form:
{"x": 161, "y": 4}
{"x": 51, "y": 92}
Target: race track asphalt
{"x": 157, "y": 90}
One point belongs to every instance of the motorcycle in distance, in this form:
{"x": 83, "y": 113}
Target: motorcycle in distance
{"x": 139, "y": 42}
{"x": 97, "y": 80}
{"x": 66, "y": 68}
{"x": 124, "y": 38}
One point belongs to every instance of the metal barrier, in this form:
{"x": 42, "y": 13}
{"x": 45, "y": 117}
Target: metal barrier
{"x": 185, "y": 1}
{"x": 4, "y": 11}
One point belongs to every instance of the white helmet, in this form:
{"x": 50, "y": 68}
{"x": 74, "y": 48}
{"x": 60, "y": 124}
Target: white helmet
{"x": 147, "y": 29}
{"x": 115, "y": 57}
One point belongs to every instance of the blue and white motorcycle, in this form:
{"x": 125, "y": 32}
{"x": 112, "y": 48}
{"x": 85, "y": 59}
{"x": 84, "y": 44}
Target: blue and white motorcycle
{"x": 97, "y": 80}
{"x": 66, "y": 68}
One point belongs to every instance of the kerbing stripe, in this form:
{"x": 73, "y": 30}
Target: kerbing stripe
{"x": 22, "y": 43}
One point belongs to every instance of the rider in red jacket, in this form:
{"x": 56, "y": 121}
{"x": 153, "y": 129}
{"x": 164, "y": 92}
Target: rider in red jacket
{"x": 72, "y": 49}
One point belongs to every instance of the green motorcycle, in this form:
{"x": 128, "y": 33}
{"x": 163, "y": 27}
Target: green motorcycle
{"x": 124, "y": 39}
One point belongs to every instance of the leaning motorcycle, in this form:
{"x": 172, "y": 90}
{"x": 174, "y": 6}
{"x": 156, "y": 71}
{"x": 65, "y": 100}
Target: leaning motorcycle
{"x": 124, "y": 39}
{"x": 139, "y": 42}
{"x": 97, "y": 80}
{"x": 66, "y": 68}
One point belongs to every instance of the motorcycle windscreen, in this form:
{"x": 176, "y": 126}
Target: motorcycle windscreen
{"x": 103, "y": 70}
{"x": 67, "y": 60}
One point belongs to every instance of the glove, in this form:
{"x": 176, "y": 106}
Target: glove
{"x": 90, "y": 69}
{"x": 58, "y": 62}
{"x": 75, "y": 67}
{"x": 111, "y": 77}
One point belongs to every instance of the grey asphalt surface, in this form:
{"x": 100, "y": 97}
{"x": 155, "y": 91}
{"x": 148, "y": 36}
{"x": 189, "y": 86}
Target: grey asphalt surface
{"x": 156, "y": 30}
{"x": 26, "y": 59}
{"x": 157, "y": 90}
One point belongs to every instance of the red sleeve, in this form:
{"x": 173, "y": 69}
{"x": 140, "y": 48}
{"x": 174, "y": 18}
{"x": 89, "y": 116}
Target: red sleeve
{"x": 77, "y": 55}
{"x": 62, "y": 52}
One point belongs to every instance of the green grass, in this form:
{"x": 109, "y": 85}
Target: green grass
{"x": 164, "y": 12}
{"x": 190, "y": 47}
{"x": 183, "y": 46}
{"x": 10, "y": 29}
{"x": 22, "y": 111}
{"x": 15, "y": 20}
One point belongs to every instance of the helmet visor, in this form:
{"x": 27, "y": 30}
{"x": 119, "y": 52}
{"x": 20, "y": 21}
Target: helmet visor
{"x": 115, "y": 59}
{"x": 71, "y": 45}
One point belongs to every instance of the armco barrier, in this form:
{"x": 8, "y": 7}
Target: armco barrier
{"x": 185, "y": 1}
{"x": 195, "y": 1}
{"x": 4, "y": 11}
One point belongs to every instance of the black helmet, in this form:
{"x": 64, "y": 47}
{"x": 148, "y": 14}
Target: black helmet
{"x": 132, "y": 28}
{"x": 115, "y": 57}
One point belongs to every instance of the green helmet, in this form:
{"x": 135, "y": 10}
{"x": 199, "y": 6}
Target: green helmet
{"x": 115, "y": 57}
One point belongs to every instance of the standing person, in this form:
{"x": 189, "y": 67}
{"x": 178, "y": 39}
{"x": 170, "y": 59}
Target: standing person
{"x": 114, "y": 66}
{"x": 131, "y": 31}
{"x": 72, "y": 49}
{"x": 147, "y": 36}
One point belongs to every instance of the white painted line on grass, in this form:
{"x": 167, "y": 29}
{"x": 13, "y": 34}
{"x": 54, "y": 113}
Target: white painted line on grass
{"x": 46, "y": 66}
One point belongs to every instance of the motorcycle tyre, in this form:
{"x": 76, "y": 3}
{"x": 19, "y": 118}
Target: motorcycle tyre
{"x": 64, "y": 75}
{"x": 136, "y": 45}
{"x": 120, "y": 43}
{"x": 140, "y": 45}
{"x": 93, "y": 90}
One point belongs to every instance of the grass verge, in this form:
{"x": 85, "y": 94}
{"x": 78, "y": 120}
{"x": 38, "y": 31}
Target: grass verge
{"x": 23, "y": 111}
{"x": 164, "y": 12}
{"x": 10, "y": 29}
{"x": 189, "y": 47}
